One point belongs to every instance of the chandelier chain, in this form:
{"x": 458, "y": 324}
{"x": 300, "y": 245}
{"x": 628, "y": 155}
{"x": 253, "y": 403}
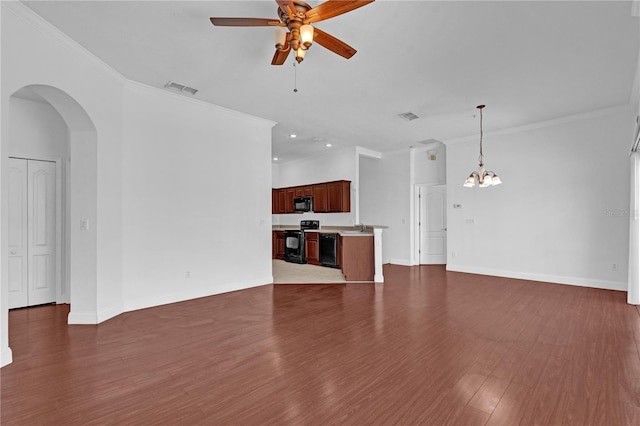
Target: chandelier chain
{"x": 480, "y": 159}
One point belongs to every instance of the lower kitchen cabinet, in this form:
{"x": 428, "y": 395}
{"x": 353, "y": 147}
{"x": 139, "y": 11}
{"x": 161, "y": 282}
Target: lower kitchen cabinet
{"x": 277, "y": 251}
{"x": 357, "y": 257}
{"x": 311, "y": 248}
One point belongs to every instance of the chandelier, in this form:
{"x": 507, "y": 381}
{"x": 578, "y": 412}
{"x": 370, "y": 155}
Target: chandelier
{"x": 482, "y": 176}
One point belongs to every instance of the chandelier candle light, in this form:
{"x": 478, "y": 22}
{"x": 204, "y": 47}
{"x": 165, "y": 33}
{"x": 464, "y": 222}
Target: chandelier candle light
{"x": 484, "y": 177}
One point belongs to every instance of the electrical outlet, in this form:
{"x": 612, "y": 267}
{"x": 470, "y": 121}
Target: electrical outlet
{"x": 454, "y": 253}
{"x": 615, "y": 266}
{"x": 187, "y": 274}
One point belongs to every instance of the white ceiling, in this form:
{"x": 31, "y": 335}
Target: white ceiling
{"x": 528, "y": 61}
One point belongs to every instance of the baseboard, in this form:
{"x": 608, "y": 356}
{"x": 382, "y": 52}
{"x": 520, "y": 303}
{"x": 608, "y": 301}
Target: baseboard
{"x": 150, "y": 302}
{"x": 401, "y": 262}
{"x": 108, "y": 314}
{"x": 6, "y": 357}
{"x": 86, "y": 318}
{"x": 554, "y": 279}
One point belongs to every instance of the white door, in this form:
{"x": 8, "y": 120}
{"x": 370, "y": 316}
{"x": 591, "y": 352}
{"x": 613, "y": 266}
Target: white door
{"x": 433, "y": 224}
{"x": 32, "y": 232}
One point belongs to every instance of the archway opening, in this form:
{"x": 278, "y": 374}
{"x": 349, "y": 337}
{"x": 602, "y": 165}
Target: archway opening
{"x": 46, "y": 123}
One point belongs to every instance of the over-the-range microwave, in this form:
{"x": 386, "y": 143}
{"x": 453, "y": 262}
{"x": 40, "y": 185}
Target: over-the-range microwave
{"x": 303, "y": 204}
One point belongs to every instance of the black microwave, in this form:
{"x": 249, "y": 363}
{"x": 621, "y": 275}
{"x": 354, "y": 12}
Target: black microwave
{"x": 303, "y": 204}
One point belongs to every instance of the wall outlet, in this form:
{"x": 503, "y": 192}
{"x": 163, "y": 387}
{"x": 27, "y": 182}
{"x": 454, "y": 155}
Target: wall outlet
{"x": 454, "y": 253}
{"x": 615, "y": 266}
{"x": 187, "y": 274}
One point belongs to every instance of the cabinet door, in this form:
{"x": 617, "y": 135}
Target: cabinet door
{"x": 291, "y": 193}
{"x": 279, "y": 244}
{"x": 338, "y": 196}
{"x": 298, "y": 191}
{"x": 307, "y": 191}
{"x": 320, "y": 198}
{"x": 274, "y": 201}
{"x": 282, "y": 200}
{"x": 311, "y": 248}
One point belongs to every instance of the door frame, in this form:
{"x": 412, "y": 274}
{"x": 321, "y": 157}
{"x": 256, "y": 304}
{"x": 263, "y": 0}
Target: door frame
{"x": 61, "y": 282}
{"x": 420, "y": 188}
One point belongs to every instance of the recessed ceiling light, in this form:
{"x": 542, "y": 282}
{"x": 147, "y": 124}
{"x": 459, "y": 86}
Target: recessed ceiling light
{"x": 275, "y": 158}
{"x": 293, "y": 135}
{"x": 328, "y": 145}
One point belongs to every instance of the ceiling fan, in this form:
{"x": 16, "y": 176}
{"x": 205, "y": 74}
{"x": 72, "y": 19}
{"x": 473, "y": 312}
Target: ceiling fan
{"x": 296, "y": 16}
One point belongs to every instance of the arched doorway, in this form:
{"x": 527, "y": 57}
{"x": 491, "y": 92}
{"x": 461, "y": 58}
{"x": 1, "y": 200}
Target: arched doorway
{"x": 78, "y": 171}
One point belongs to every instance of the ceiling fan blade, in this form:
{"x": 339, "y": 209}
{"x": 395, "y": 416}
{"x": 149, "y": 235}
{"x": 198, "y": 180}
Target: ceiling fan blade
{"x": 333, "y": 44}
{"x": 280, "y": 56}
{"x": 246, "y": 22}
{"x": 332, "y": 8}
{"x": 287, "y": 6}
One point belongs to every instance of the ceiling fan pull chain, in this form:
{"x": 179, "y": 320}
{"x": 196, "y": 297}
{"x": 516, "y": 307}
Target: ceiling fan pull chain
{"x": 295, "y": 78}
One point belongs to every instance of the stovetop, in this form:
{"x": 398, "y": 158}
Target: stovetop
{"x": 309, "y": 224}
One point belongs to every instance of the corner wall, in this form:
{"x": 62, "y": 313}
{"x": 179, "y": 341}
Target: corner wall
{"x": 561, "y": 214}
{"x": 171, "y": 195}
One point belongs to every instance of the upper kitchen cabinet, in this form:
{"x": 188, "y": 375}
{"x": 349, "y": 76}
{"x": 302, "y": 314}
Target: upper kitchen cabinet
{"x": 274, "y": 202}
{"x": 328, "y": 197}
{"x": 285, "y": 200}
{"x": 304, "y": 191}
{"x": 320, "y": 198}
{"x": 339, "y": 196}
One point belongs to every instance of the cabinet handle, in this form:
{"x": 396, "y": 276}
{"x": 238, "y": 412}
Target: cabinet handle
{"x": 14, "y": 252}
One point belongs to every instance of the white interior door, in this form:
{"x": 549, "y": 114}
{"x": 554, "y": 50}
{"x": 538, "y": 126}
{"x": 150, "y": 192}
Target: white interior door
{"x": 32, "y": 232}
{"x": 433, "y": 225}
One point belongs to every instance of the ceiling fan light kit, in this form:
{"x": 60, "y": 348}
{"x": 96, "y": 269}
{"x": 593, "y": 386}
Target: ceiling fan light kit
{"x": 482, "y": 176}
{"x": 296, "y": 16}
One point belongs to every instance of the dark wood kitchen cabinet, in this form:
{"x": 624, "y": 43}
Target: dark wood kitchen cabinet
{"x": 312, "y": 248}
{"x": 339, "y": 197}
{"x": 277, "y": 251}
{"x": 274, "y": 201}
{"x": 320, "y": 198}
{"x": 328, "y": 197}
{"x": 356, "y": 254}
{"x": 303, "y": 191}
{"x": 285, "y": 200}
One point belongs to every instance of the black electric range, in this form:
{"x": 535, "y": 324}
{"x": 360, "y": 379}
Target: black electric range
{"x": 294, "y": 241}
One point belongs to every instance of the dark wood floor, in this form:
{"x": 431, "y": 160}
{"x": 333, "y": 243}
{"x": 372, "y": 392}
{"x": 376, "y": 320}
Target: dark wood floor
{"x": 426, "y": 347}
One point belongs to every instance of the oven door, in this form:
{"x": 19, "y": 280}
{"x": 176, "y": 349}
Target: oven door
{"x": 294, "y": 246}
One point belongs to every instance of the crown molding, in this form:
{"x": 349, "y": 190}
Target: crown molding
{"x": 548, "y": 123}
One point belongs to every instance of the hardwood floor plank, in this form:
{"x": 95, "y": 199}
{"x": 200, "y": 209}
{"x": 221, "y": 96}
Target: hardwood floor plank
{"x": 426, "y": 347}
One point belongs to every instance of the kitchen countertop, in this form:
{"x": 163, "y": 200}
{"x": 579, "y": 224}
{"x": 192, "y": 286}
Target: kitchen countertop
{"x": 345, "y": 231}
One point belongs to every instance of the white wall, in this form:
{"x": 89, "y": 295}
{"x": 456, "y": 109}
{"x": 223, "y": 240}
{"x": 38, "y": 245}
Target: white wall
{"x": 428, "y": 170}
{"x": 36, "y": 130}
{"x": 561, "y": 214}
{"x": 197, "y": 199}
{"x": 159, "y": 189}
{"x": 334, "y": 164}
{"x": 385, "y": 200}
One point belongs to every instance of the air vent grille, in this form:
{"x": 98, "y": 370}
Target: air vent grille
{"x": 180, "y": 87}
{"x": 408, "y": 116}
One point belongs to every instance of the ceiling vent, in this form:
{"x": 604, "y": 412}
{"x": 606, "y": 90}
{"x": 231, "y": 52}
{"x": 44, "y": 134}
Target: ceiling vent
{"x": 408, "y": 116}
{"x": 180, "y": 87}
